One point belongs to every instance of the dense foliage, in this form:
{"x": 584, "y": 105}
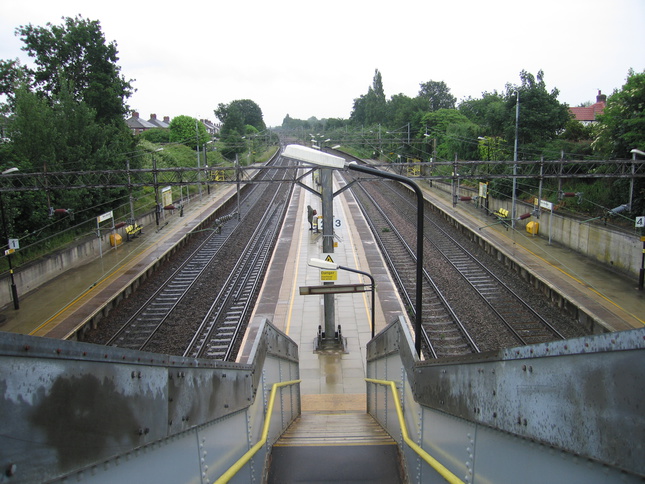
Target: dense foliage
{"x": 188, "y": 131}
{"x": 241, "y": 120}
{"x": 65, "y": 114}
{"x": 432, "y": 126}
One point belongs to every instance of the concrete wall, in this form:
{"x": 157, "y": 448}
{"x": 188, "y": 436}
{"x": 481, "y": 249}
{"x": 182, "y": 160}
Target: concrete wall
{"x": 32, "y": 275}
{"x": 619, "y": 251}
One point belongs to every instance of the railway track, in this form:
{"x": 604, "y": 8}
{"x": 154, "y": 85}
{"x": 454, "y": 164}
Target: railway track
{"x": 222, "y": 327}
{"x": 144, "y": 324}
{"x": 444, "y": 333}
{"x": 213, "y": 280}
{"x": 526, "y": 324}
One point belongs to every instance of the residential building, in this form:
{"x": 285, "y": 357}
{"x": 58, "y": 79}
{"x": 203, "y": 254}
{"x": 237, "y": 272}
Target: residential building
{"x": 588, "y": 115}
{"x": 138, "y": 125}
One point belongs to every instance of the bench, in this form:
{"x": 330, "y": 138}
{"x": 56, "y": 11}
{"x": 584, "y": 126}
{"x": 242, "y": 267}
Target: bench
{"x": 502, "y": 216}
{"x": 131, "y": 231}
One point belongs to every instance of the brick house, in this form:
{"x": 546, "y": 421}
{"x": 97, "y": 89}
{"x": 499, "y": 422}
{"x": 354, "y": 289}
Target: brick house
{"x": 159, "y": 124}
{"x": 138, "y": 125}
{"x": 588, "y": 115}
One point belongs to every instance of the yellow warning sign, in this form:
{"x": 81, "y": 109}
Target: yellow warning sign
{"x": 328, "y": 275}
{"x": 329, "y": 259}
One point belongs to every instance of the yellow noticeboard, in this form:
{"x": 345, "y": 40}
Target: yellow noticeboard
{"x": 328, "y": 275}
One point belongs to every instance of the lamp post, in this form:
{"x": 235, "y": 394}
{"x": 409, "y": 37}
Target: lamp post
{"x": 332, "y": 266}
{"x": 314, "y": 157}
{"x": 517, "y": 128}
{"x": 641, "y": 273}
{"x": 14, "y": 289}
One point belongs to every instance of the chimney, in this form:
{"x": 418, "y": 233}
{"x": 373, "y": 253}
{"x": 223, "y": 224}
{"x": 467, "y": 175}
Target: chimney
{"x": 135, "y": 114}
{"x": 153, "y": 116}
{"x": 166, "y": 119}
{"x": 601, "y": 98}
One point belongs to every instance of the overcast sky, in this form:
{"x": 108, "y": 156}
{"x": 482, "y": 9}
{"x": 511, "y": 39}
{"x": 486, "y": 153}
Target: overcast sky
{"x": 308, "y": 59}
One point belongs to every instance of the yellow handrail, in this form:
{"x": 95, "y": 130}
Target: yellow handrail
{"x": 434, "y": 463}
{"x": 235, "y": 468}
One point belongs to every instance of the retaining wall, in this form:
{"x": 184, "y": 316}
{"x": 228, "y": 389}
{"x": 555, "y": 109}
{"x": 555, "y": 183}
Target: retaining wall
{"x": 618, "y": 251}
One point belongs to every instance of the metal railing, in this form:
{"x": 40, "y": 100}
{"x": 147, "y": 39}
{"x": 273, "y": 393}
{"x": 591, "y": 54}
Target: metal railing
{"x": 235, "y": 468}
{"x": 431, "y": 461}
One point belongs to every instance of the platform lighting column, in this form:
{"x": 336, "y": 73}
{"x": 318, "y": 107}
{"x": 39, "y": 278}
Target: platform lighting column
{"x": 641, "y": 274}
{"x": 517, "y": 126}
{"x": 326, "y": 180}
{"x": 420, "y": 217}
{"x": 156, "y": 187}
{"x": 313, "y": 157}
{"x": 199, "y": 175}
{"x": 14, "y": 289}
{"x": 237, "y": 182}
{"x": 130, "y": 190}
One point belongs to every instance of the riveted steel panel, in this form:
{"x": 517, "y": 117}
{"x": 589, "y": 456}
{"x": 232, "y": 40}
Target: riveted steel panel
{"x": 198, "y": 395}
{"x": 563, "y": 411}
{"x": 582, "y": 395}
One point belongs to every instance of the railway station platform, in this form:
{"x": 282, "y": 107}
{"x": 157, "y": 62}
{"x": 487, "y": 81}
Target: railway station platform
{"x": 54, "y": 309}
{"x": 332, "y": 381}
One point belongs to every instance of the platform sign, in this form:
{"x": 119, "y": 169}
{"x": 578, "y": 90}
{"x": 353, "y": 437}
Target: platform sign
{"x": 483, "y": 190}
{"x": 14, "y": 244}
{"x": 337, "y": 222}
{"x": 640, "y": 222}
{"x": 104, "y": 217}
{"x": 166, "y": 196}
{"x": 546, "y": 205}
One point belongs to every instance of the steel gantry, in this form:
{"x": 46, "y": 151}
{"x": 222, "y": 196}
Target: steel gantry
{"x": 446, "y": 170}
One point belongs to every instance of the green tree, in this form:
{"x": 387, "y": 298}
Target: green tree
{"x": 76, "y": 53}
{"x": 248, "y": 110}
{"x": 188, "y": 131}
{"x": 622, "y": 129}
{"x": 489, "y": 112}
{"x": 454, "y": 133}
{"x": 542, "y": 117}
{"x": 232, "y": 120}
{"x": 156, "y": 135}
{"x": 437, "y": 96}
{"x": 370, "y": 109}
{"x": 13, "y": 75}
{"x": 63, "y": 136}
{"x": 402, "y": 109}
{"x": 622, "y": 124}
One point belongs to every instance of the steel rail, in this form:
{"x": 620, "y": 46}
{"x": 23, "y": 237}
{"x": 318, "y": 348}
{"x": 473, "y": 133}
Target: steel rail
{"x": 239, "y": 288}
{"x": 442, "y": 315}
{"x": 479, "y": 277}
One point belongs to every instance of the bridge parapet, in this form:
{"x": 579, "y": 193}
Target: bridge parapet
{"x": 105, "y": 414}
{"x": 542, "y": 413}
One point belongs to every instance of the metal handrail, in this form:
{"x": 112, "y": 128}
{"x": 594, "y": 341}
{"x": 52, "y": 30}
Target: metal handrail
{"x": 235, "y": 468}
{"x": 434, "y": 463}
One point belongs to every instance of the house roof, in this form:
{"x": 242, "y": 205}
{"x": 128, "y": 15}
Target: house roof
{"x": 157, "y": 122}
{"x": 135, "y": 122}
{"x": 590, "y": 113}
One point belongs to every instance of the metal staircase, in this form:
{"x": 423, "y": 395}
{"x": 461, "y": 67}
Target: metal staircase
{"x": 335, "y": 447}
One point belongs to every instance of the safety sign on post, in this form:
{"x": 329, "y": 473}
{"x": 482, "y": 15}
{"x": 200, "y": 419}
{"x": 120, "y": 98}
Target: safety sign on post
{"x": 326, "y": 275}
